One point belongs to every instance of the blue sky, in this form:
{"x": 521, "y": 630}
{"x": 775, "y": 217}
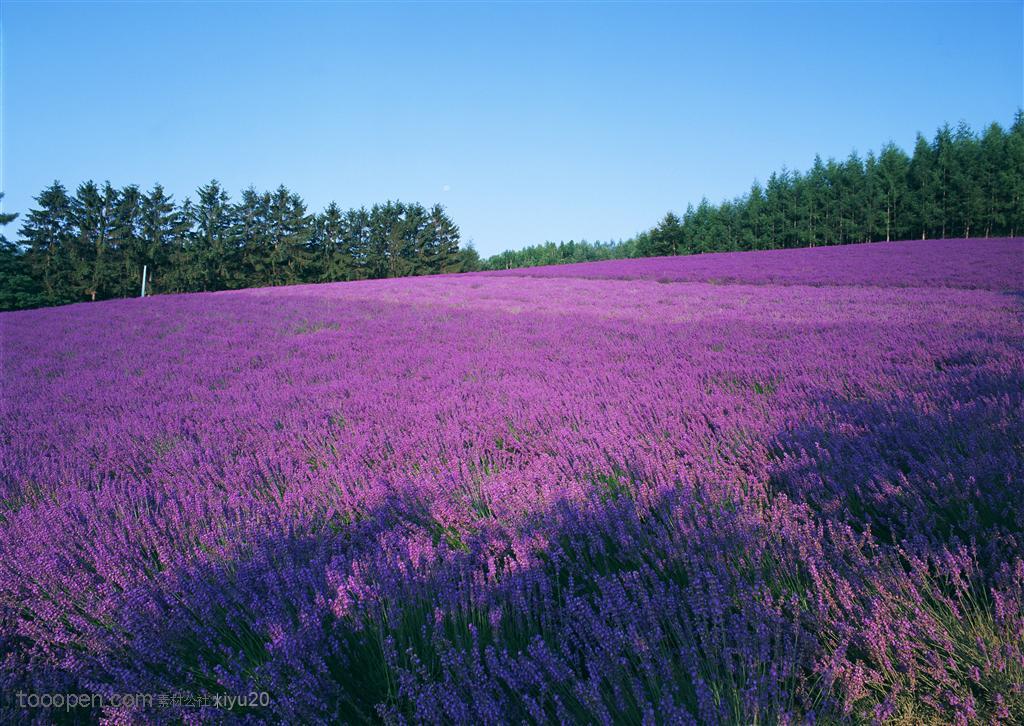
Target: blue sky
{"x": 527, "y": 121}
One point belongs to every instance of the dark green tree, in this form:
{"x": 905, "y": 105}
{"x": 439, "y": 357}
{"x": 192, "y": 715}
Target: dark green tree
{"x": 163, "y": 231}
{"x": 891, "y": 181}
{"x": 923, "y": 190}
{"x": 991, "y": 159}
{"x": 381, "y": 230}
{"x": 128, "y": 247}
{"x": 18, "y": 288}
{"x": 47, "y": 232}
{"x": 442, "y": 249}
{"x": 751, "y": 235}
{"x": 212, "y": 257}
{"x": 356, "y": 241}
{"x": 666, "y": 238}
{"x": 95, "y": 268}
{"x": 1012, "y": 178}
{"x": 330, "y": 260}
{"x": 945, "y": 159}
{"x": 469, "y": 259}
{"x": 251, "y": 238}
{"x": 812, "y": 204}
{"x": 290, "y": 229}
{"x": 967, "y": 201}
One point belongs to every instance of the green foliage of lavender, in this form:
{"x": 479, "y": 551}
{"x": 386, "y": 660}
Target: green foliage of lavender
{"x": 775, "y": 487}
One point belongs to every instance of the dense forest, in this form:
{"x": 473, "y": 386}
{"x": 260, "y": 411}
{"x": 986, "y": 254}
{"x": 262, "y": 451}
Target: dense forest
{"x": 92, "y": 245}
{"x": 959, "y": 184}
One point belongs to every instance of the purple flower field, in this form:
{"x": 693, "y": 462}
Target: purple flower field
{"x": 737, "y": 488}
{"x": 938, "y": 263}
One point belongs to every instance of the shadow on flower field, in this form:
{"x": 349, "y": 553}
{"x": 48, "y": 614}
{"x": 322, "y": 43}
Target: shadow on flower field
{"x": 617, "y": 610}
{"x": 874, "y": 464}
{"x": 941, "y": 630}
{"x": 863, "y": 580}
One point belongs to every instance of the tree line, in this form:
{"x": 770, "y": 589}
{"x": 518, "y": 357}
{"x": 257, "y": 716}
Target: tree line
{"x": 561, "y": 253}
{"x": 958, "y": 184}
{"x": 94, "y": 244}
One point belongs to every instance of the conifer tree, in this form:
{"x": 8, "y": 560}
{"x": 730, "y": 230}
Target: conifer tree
{"x": 127, "y": 245}
{"x": 991, "y": 158}
{"x": 892, "y": 169}
{"x": 444, "y": 244}
{"x": 923, "y": 189}
{"x": 330, "y": 261}
{"x": 18, "y": 288}
{"x": 163, "y": 229}
{"x": 966, "y": 206}
{"x": 212, "y": 256}
{"x": 93, "y": 252}
{"x": 752, "y": 219}
{"x": 250, "y": 236}
{"x": 666, "y": 238}
{"x": 47, "y": 232}
{"x": 356, "y": 242}
{"x": 812, "y": 199}
{"x": 1012, "y": 178}
{"x": 289, "y": 230}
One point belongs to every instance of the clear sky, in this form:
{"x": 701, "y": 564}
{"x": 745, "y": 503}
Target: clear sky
{"x": 528, "y": 122}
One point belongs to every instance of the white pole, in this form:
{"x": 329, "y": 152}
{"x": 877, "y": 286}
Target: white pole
{"x": 143, "y": 282}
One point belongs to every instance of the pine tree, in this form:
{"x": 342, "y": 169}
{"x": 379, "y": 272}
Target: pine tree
{"x": 469, "y": 258}
{"x": 812, "y": 201}
{"x": 944, "y": 161}
{"x": 251, "y": 236}
{"x": 127, "y": 245}
{"x": 966, "y": 205}
{"x": 330, "y": 261}
{"x": 777, "y": 209}
{"x": 721, "y": 228}
{"x": 18, "y": 289}
{"x": 93, "y": 256}
{"x": 666, "y": 238}
{"x": 891, "y": 180}
{"x": 991, "y": 158}
{"x": 704, "y": 235}
{"x": 1012, "y": 178}
{"x": 383, "y": 251}
{"x": 410, "y": 241}
{"x": 185, "y": 273}
{"x": 47, "y": 232}
{"x": 356, "y": 241}
{"x": 444, "y": 247}
{"x": 833, "y": 203}
{"x": 923, "y": 189}
{"x": 752, "y": 219}
{"x": 163, "y": 230}
{"x": 212, "y": 257}
{"x": 853, "y": 200}
{"x": 289, "y": 230}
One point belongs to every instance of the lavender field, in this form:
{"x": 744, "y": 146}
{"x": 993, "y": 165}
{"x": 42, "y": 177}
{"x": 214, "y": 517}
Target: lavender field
{"x": 774, "y": 487}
